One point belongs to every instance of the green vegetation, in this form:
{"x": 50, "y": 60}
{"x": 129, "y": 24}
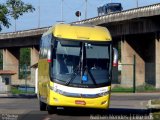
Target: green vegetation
{"x": 14, "y": 90}
{"x": 25, "y": 56}
{"x": 24, "y": 73}
{"x": 141, "y": 88}
{"x": 146, "y": 88}
{"x": 3, "y": 16}
{"x": 118, "y": 88}
{"x": 24, "y": 69}
{"x": 13, "y": 9}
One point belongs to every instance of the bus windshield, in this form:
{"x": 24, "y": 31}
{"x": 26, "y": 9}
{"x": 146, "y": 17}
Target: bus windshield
{"x": 81, "y": 64}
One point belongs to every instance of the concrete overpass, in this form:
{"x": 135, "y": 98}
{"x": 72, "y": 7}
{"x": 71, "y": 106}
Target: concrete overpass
{"x": 11, "y": 44}
{"x": 137, "y": 30}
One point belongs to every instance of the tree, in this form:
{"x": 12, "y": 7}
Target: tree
{"x": 3, "y": 16}
{"x": 25, "y": 56}
{"x": 15, "y": 9}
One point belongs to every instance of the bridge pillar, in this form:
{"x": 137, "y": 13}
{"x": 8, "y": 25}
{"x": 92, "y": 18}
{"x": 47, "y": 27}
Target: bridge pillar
{"x": 143, "y": 47}
{"x": 126, "y": 59}
{"x": 127, "y": 53}
{"x": 34, "y": 60}
{"x": 157, "y": 61}
{"x": 11, "y": 62}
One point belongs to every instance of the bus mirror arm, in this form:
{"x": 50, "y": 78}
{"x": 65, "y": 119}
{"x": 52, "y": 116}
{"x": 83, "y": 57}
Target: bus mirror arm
{"x": 115, "y": 57}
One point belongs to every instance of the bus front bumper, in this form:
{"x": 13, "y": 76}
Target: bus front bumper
{"x": 56, "y": 99}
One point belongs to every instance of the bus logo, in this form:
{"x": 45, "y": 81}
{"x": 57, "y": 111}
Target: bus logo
{"x": 80, "y": 102}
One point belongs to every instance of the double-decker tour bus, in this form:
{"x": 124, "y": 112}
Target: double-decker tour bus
{"x": 75, "y": 67}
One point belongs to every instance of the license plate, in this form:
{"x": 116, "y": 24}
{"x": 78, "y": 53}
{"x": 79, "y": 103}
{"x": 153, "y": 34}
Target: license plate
{"x": 80, "y": 102}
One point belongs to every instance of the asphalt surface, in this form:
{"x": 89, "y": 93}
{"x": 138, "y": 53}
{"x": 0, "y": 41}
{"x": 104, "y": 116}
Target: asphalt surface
{"x": 122, "y": 107}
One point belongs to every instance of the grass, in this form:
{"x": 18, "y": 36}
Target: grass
{"x": 141, "y": 88}
{"x": 14, "y": 90}
{"x": 122, "y": 89}
{"x": 147, "y": 88}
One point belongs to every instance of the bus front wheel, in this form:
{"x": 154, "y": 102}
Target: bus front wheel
{"x": 42, "y": 106}
{"x": 51, "y": 109}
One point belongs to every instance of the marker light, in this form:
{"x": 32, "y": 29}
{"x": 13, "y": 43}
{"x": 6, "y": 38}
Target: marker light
{"x": 49, "y": 60}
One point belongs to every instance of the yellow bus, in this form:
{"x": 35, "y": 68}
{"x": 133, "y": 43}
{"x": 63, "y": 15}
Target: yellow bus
{"x": 75, "y": 67}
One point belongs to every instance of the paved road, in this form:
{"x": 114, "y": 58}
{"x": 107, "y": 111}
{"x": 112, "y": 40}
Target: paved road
{"x": 122, "y": 106}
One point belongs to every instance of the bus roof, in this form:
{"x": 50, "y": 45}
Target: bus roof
{"x": 80, "y": 32}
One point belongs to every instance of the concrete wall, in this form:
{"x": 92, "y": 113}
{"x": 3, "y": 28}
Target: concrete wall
{"x": 157, "y": 60}
{"x": 11, "y": 61}
{"x": 34, "y": 60}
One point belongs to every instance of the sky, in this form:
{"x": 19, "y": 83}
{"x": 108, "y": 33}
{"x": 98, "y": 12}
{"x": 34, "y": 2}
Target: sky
{"x": 50, "y": 12}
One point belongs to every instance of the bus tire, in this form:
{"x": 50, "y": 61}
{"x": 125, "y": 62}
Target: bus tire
{"x": 42, "y": 106}
{"x": 51, "y": 109}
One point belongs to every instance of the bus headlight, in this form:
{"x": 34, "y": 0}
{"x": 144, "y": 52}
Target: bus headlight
{"x": 104, "y": 93}
{"x": 56, "y": 90}
{"x": 63, "y": 92}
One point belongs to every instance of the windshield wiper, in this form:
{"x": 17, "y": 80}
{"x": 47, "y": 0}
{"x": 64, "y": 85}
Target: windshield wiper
{"x": 73, "y": 76}
{"x": 77, "y": 72}
{"x": 94, "y": 81}
{"x": 90, "y": 74}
